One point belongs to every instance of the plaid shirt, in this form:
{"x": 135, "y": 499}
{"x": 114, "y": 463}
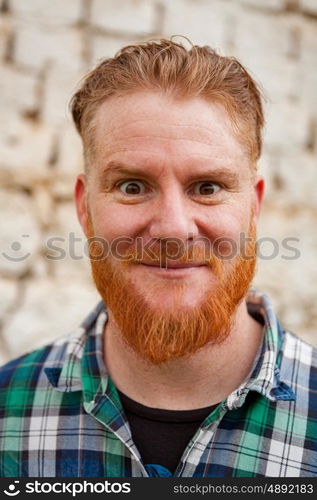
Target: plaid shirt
{"x": 61, "y": 416}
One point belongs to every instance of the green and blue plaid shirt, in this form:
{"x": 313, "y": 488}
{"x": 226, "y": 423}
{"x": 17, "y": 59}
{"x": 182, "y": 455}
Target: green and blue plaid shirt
{"x": 61, "y": 416}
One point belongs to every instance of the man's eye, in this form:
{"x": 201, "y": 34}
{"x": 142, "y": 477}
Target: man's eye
{"x": 132, "y": 187}
{"x": 206, "y": 188}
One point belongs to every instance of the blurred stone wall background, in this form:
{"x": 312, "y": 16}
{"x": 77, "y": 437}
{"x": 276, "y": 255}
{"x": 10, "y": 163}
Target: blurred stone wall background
{"x": 45, "y": 47}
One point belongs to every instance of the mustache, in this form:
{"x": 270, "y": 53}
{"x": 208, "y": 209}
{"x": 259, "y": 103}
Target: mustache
{"x": 153, "y": 252}
{"x": 163, "y": 255}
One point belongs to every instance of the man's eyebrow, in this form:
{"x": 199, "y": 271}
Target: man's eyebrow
{"x": 114, "y": 168}
{"x": 224, "y": 174}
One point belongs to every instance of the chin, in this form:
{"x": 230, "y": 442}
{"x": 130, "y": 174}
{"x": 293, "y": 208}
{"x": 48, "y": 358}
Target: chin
{"x": 174, "y": 302}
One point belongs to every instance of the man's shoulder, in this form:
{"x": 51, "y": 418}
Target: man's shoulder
{"x": 28, "y": 370}
{"x": 298, "y": 349}
{"x": 52, "y": 355}
{"x": 299, "y": 365}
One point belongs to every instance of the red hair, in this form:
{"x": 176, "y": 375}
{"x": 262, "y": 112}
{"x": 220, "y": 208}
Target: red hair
{"x": 164, "y": 65}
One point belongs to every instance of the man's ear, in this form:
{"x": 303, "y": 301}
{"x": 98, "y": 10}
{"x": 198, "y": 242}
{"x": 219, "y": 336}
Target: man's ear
{"x": 259, "y": 188}
{"x": 81, "y": 196}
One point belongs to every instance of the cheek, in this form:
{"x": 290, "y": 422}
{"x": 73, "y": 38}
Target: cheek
{"x": 113, "y": 220}
{"x": 227, "y": 231}
{"x": 227, "y": 223}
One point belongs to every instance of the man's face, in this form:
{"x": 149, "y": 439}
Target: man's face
{"x": 168, "y": 170}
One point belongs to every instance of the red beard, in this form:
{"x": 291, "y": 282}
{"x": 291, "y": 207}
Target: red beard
{"x": 159, "y": 335}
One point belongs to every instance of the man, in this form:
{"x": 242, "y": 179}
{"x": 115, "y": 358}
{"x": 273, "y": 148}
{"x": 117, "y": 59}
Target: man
{"x": 179, "y": 371}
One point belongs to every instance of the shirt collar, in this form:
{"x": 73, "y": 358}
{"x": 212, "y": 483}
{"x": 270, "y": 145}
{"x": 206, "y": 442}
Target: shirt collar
{"x": 83, "y": 367}
{"x": 265, "y": 377}
{"x": 85, "y": 344}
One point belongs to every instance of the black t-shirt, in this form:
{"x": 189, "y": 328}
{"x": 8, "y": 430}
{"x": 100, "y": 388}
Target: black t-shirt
{"x": 161, "y": 436}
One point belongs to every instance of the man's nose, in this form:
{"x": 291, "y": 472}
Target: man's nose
{"x": 173, "y": 218}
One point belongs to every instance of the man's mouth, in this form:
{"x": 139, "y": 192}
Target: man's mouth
{"x": 174, "y": 265}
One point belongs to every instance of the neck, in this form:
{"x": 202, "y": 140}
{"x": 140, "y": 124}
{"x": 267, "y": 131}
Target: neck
{"x": 203, "y": 379}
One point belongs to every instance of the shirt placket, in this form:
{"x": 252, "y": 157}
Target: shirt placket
{"x": 199, "y": 443}
{"x": 107, "y": 413}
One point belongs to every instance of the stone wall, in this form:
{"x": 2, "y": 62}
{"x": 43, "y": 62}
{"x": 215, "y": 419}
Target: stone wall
{"x": 45, "y": 47}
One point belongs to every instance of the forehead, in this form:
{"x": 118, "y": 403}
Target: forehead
{"x": 155, "y": 124}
